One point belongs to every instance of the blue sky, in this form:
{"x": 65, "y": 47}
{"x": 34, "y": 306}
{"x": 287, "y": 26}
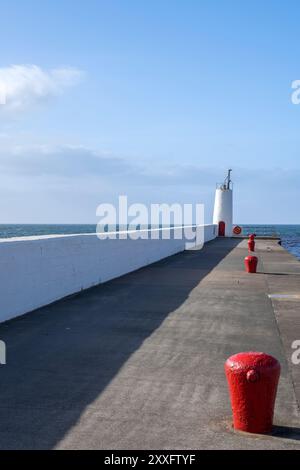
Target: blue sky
{"x": 150, "y": 99}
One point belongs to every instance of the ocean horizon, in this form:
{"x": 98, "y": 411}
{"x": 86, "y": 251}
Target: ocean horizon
{"x": 289, "y": 233}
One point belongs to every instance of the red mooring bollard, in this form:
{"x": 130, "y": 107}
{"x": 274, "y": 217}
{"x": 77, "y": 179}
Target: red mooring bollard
{"x": 251, "y": 245}
{"x": 252, "y": 379}
{"x": 252, "y": 236}
{"x": 251, "y": 264}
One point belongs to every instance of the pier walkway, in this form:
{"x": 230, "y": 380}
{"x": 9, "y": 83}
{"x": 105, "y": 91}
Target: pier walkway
{"x": 137, "y": 363}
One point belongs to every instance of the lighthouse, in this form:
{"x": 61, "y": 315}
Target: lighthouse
{"x": 223, "y": 207}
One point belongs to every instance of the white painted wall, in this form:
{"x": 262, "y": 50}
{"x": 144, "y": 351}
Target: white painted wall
{"x": 223, "y": 209}
{"x": 35, "y": 271}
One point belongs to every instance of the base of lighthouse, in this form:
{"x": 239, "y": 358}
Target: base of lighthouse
{"x": 223, "y": 211}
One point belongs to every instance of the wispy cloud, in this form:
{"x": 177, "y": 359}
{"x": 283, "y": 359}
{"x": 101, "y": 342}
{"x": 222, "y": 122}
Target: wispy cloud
{"x": 24, "y": 85}
{"x": 65, "y": 183}
{"x": 69, "y": 162}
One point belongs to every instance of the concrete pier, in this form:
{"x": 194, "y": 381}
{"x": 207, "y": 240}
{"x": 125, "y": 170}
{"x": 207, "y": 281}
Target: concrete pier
{"x": 137, "y": 363}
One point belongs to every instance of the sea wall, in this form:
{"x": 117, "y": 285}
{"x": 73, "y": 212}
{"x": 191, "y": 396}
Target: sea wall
{"x": 35, "y": 271}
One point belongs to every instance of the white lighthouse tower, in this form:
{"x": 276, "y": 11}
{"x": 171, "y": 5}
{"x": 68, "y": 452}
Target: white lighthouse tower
{"x": 223, "y": 207}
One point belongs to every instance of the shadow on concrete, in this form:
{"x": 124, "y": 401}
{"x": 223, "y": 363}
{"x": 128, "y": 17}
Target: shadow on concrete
{"x": 280, "y": 274}
{"x": 286, "y": 432}
{"x": 274, "y": 274}
{"x": 60, "y": 358}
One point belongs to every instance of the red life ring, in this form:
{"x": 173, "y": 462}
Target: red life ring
{"x": 237, "y": 230}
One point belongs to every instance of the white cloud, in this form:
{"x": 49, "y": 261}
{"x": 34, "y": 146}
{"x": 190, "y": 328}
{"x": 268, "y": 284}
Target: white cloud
{"x": 24, "y": 85}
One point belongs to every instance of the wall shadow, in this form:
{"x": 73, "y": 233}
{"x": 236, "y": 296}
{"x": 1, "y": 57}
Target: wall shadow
{"x": 60, "y": 358}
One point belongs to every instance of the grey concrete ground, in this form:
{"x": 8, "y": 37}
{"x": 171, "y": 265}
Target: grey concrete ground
{"x": 137, "y": 363}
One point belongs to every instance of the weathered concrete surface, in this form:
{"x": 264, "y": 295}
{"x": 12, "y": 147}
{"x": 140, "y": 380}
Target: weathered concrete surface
{"x": 138, "y": 362}
{"x": 283, "y": 282}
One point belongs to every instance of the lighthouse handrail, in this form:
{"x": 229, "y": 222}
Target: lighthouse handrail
{"x": 223, "y": 186}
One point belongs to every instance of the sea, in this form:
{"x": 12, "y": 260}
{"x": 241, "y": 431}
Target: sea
{"x": 289, "y": 234}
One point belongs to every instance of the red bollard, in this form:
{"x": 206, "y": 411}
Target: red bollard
{"x": 252, "y": 379}
{"x": 252, "y": 236}
{"x": 251, "y": 245}
{"x": 251, "y": 264}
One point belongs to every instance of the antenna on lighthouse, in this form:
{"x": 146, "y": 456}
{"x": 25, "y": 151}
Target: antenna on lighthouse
{"x": 227, "y": 181}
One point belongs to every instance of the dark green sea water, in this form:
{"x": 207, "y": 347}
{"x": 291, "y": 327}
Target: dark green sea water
{"x": 289, "y": 234}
